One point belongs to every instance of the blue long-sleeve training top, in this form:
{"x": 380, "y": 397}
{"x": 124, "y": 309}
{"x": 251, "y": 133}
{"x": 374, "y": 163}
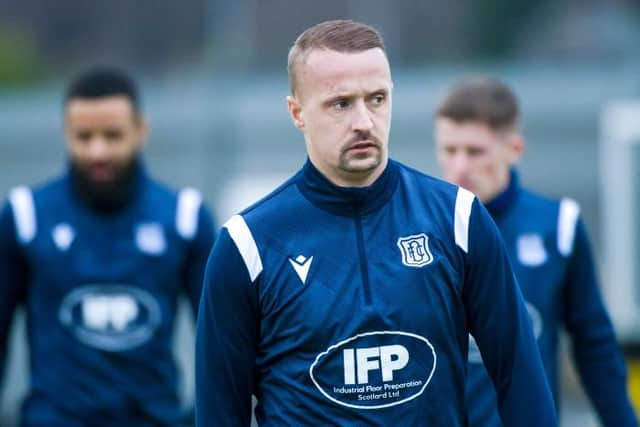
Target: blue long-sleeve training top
{"x": 100, "y": 292}
{"x": 352, "y": 306}
{"x": 550, "y": 253}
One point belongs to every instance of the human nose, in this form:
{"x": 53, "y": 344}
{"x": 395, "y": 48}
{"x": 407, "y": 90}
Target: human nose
{"x": 458, "y": 164}
{"x": 98, "y": 148}
{"x": 361, "y": 121}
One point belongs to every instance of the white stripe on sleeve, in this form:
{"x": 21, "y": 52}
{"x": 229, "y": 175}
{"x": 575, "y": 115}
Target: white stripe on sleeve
{"x": 242, "y": 237}
{"x": 464, "y": 201}
{"x": 567, "y": 221}
{"x": 188, "y": 208}
{"x": 24, "y": 213}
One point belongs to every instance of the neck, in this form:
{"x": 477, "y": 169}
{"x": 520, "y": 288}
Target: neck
{"x": 347, "y": 200}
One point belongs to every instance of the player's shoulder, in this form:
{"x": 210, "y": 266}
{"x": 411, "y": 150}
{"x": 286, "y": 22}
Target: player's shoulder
{"x": 535, "y": 200}
{"x": 542, "y": 206}
{"x": 274, "y": 204}
{"x": 43, "y": 193}
{"x": 557, "y": 217}
{"x": 161, "y": 193}
{"x": 448, "y": 206}
{"x": 24, "y": 203}
{"x": 442, "y": 199}
{"x": 159, "y": 190}
{"x": 181, "y": 206}
{"x": 270, "y": 216}
{"x": 428, "y": 184}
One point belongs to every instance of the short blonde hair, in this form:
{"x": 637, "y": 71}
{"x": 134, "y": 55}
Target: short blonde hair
{"x": 338, "y": 35}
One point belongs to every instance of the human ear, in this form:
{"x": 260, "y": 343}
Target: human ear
{"x": 516, "y": 147}
{"x": 295, "y": 111}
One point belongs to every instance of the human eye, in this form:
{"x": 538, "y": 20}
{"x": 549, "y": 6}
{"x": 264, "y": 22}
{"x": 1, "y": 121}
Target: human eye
{"x": 448, "y": 150}
{"x": 340, "y": 104}
{"x": 113, "y": 135}
{"x": 378, "y": 98}
{"x": 475, "y": 151}
{"x": 83, "y": 135}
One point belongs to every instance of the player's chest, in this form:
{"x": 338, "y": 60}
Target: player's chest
{"x": 538, "y": 266}
{"x": 349, "y": 280}
{"x": 368, "y": 318}
{"x": 78, "y": 249}
{"x": 541, "y": 273}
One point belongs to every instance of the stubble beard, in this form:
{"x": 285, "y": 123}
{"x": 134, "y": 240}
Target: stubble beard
{"x": 360, "y": 167}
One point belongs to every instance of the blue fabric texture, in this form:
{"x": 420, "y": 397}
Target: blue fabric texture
{"x": 561, "y": 291}
{"x": 352, "y": 306}
{"x": 101, "y": 292}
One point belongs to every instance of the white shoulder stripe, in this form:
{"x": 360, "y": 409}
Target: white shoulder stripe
{"x": 187, "y": 210}
{"x": 464, "y": 201}
{"x": 24, "y": 213}
{"x": 242, "y": 237}
{"x": 567, "y": 220}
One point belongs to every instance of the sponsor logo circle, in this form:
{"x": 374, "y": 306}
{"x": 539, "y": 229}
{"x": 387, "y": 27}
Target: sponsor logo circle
{"x": 375, "y": 370}
{"x": 110, "y": 317}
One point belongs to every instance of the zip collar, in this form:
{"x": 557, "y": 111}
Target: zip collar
{"x": 347, "y": 201}
{"x": 503, "y": 201}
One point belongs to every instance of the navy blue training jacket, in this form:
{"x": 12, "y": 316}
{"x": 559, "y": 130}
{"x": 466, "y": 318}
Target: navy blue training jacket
{"x": 100, "y": 292}
{"x": 551, "y": 257}
{"x": 352, "y": 307}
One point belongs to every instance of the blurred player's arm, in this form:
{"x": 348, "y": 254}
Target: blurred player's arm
{"x": 198, "y": 253}
{"x": 13, "y": 278}
{"x": 595, "y": 350}
{"x": 227, "y": 333}
{"x": 500, "y": 325}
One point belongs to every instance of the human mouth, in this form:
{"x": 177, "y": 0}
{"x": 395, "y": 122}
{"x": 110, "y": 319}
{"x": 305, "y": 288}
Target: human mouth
{"x": 101, "y": 173}
{"x": 362, "y": 147}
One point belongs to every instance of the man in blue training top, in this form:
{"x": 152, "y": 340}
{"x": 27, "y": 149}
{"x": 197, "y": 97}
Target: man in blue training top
{"x": 478, "y": 142}
{"x": 346, "y": 296}
{"x": 99, "y": 257}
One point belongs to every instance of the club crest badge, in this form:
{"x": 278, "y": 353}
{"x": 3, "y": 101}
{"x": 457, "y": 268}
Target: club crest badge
{"x": 150, "y": 239}
{"x": 415, "y": 250}
{"x": 531, "y": 251}
{"x": 63, "y": 236}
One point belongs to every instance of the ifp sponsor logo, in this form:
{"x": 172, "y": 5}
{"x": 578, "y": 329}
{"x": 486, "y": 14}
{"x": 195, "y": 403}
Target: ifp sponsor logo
{"x": 375, "y": 370}
{"x": 110, "y": 317}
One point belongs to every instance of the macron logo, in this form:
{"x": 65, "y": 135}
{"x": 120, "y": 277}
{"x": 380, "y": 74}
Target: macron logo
{"x": 301, "y": 265}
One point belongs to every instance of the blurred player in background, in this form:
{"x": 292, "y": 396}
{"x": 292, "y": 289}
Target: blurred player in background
{"x": 99, "y": 256}
{"x": 478, "y": 143}
{"x": 346, "y": 296}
